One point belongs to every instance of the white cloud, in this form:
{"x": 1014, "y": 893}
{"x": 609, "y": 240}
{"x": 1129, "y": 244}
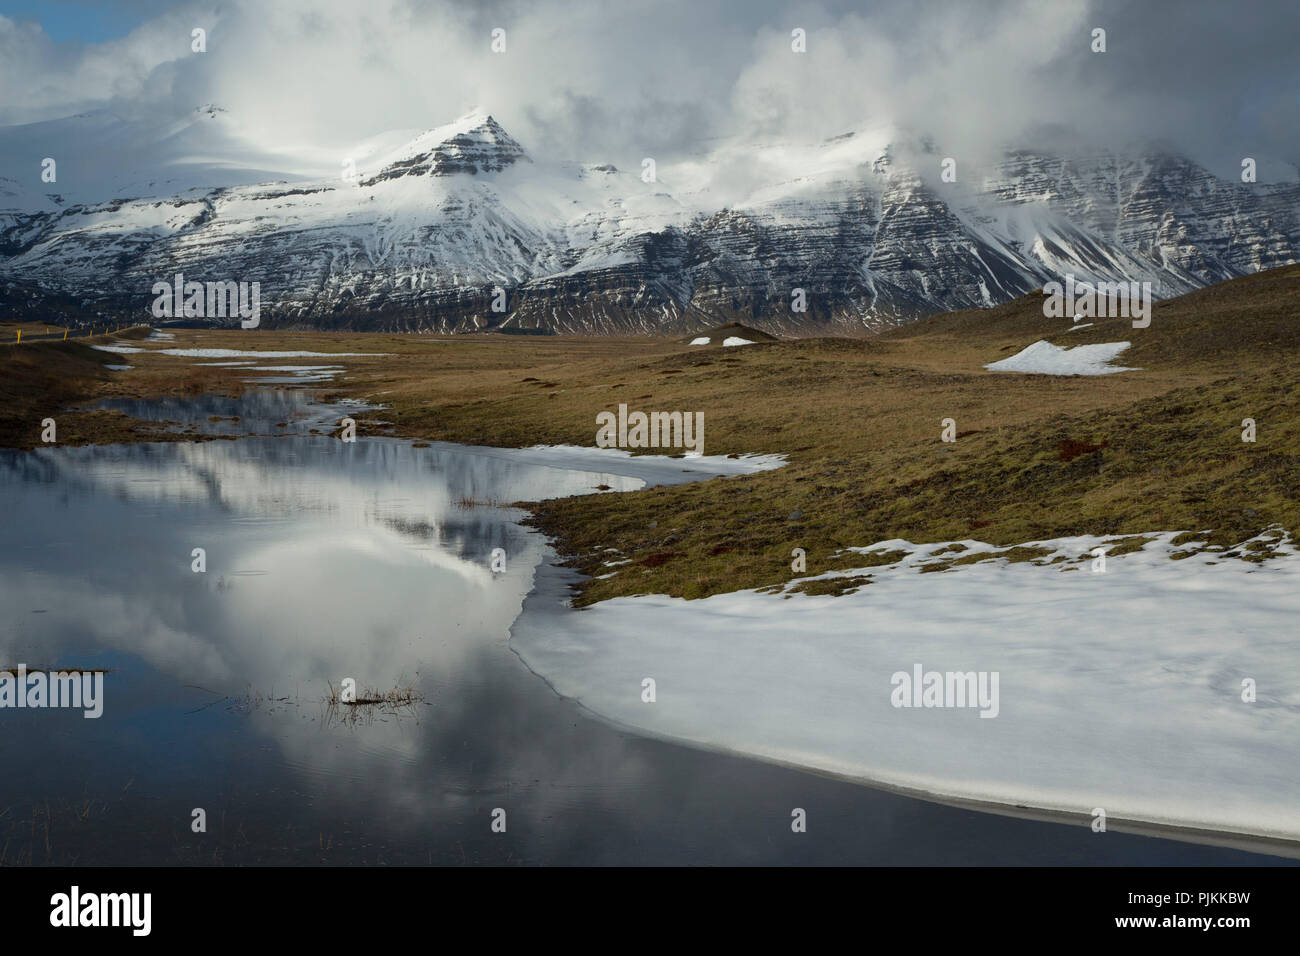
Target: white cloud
{"x": 662, "y": 78}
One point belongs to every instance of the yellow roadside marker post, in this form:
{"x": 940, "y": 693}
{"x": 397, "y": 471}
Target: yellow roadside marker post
{"x": 20, "y": 337}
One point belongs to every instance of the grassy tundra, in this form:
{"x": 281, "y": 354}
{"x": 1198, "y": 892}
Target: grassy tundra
{"x": 1036, "y": 456}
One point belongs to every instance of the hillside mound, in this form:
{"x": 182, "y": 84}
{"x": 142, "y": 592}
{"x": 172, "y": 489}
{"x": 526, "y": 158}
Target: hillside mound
{"x": 1253, "y": 319}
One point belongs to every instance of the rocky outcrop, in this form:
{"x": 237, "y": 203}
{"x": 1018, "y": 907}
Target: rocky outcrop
{"x": 424, "y": 241}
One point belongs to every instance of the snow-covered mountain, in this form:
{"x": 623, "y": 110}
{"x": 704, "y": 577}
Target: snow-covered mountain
{"x": 417, "y": 231}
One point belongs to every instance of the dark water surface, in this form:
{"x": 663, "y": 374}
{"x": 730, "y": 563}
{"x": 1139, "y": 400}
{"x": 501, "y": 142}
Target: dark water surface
{"x": 371, "y": 560}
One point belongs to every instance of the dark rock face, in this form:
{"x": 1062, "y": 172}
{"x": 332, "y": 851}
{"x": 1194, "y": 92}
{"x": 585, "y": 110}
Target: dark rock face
{"x": 487, "y": 148}
{"x": 425, "y": 242}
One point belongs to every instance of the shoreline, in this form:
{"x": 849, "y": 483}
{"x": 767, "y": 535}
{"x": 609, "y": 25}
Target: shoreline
{"x": 544, "y": 609}
{"x": 858, "y": 421}
{"x": 673, "y": 471}
{"x": 1260, "y": 843}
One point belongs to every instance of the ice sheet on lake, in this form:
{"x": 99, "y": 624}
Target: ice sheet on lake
{"x": 604, "y": 463}
{"x": 1120, "y": 690}
{"x": 653, "y": 469}
{"x": 304, "y": 369}
{"x": 1044, "y": 358}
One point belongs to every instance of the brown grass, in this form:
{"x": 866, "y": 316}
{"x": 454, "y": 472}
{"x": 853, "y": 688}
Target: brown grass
{"x": 1071, "y": 449}
{"x": 860, "y": 419}
{"x": 53, "y": 379}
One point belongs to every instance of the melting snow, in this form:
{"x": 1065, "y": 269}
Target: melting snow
{"x": 298, "y": 373}
{"x": 295, "y": 368}
{"x": 654, "y": 469}
{"x": 736, "y": 340}
{"x": 1120, "y": 689}
{"x": 702, "y": 340}
{"x": 1044, "y": 358}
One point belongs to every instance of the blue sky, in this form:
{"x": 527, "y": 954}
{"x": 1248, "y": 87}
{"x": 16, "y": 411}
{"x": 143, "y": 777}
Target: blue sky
{"x": 84, "y": 21}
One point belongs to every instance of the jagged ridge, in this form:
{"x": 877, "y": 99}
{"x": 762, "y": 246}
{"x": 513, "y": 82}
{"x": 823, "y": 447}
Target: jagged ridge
{"x": 421, "y": 241}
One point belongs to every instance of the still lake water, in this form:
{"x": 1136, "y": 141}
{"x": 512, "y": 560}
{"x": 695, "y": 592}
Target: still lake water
{"x": 370, "y": 560}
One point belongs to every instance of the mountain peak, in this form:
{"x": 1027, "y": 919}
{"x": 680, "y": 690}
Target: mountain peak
{"x": 474, "y": 143}
{"x": 475, "y": 117}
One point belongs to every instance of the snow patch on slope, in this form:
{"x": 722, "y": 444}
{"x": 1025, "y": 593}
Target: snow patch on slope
{"x": 1044, "y": 358}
